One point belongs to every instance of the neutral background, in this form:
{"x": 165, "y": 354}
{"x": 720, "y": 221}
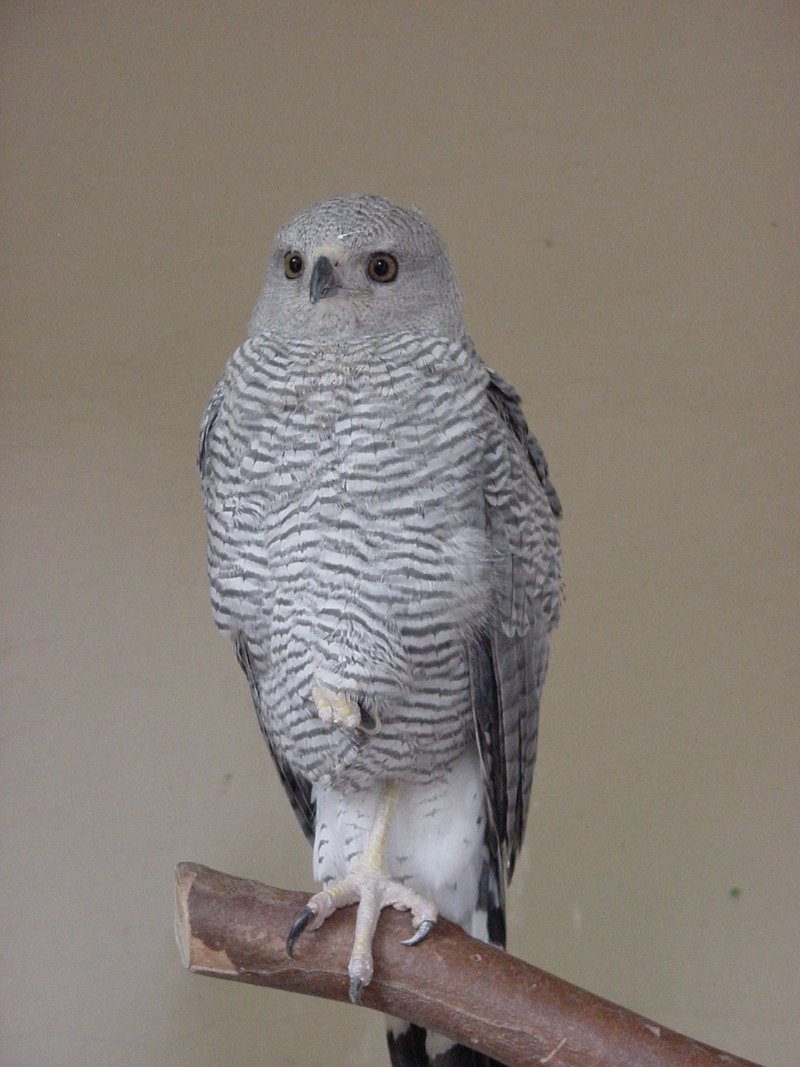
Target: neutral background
{"x": 616, "y": 182}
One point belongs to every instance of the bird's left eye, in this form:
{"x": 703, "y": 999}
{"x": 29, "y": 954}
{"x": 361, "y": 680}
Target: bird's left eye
{"x": 293, "y": 264}
{"x": 382, "y": 267}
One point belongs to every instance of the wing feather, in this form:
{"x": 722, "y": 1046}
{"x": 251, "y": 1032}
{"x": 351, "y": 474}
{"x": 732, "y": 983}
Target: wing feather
{"x": 509, "y": 662}
{"x": 298, "y": 789}
{"x": 207, "y": 427}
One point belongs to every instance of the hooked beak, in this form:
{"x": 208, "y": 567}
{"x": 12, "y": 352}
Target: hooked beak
{"x": 324, "y": 280}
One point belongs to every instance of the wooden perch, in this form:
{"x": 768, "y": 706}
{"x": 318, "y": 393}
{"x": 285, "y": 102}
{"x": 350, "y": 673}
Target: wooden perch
{"x": 235, "y": 928}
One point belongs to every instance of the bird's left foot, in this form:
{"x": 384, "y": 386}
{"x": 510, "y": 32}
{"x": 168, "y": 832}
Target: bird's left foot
{"x": 373, "y": 890}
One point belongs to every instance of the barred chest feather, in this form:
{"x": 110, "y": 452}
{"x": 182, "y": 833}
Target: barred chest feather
{"x": 345, "y": 512}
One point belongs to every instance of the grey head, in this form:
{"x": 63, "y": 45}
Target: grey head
{"x": 358, "y": 266}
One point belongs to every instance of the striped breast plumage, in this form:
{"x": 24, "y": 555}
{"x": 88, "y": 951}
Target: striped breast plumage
{"x": 347, "y": 542}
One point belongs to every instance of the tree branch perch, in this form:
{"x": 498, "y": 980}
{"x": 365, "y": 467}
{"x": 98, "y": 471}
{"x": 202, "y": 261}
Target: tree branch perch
{"x": 235, "y": 928}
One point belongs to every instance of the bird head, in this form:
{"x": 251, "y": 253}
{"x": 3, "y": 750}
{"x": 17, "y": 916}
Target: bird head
{"x": 356, "y": 267}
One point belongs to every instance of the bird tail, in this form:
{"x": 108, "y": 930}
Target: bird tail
{"x": 414, "y": 1046}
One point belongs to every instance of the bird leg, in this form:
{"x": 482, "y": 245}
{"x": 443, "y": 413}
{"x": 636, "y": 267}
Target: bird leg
{"x": 369, "y": 885}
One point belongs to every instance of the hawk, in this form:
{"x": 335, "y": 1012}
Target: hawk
{"x": 383, "y": 551}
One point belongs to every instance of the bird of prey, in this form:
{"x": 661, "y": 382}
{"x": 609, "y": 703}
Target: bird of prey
{"x": 383, "y": 551}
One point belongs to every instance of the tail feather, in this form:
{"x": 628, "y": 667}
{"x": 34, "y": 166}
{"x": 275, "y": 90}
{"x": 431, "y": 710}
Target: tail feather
{"x": 413, "y": 1046}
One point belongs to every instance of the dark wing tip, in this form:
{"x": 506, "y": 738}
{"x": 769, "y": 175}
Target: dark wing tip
{"x": 298, "y": 789}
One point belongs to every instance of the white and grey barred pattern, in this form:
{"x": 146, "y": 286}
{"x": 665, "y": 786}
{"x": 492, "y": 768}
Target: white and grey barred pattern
{"x": 342, "y": 484}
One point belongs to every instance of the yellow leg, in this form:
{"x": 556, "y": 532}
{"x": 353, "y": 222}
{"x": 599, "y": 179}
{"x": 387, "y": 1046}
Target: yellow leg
{"x": 370, "y": 885}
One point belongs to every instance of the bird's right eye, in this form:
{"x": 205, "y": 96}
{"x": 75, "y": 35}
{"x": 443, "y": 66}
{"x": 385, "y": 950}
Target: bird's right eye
{"x": 293, "y": 264}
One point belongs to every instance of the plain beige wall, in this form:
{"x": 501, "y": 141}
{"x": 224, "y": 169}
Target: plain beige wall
{"x": 617, "y": 183}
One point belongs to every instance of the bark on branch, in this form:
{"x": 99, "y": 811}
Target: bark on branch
{"x": 235, "y": 928}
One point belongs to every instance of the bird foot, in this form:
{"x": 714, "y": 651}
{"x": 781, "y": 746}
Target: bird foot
{"x": 337, "y": 709}
{"x": 373, "y": 890}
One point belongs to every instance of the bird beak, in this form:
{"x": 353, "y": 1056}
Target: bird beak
{"x": 324, "y": 280}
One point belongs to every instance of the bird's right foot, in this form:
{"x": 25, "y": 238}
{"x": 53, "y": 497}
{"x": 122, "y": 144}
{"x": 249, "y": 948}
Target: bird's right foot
{"x": 335, "y": 708}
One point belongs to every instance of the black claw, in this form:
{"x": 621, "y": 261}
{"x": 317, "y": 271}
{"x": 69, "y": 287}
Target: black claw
{"x": 300, "y": 922}
{"x": 370, "y": 723}
{"x": 424, "y": 929}
{"x": 356, "y": 989}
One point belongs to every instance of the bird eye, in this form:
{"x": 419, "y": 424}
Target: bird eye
{"x": 382, "y": 267}
{"x": 293, "y": 264}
